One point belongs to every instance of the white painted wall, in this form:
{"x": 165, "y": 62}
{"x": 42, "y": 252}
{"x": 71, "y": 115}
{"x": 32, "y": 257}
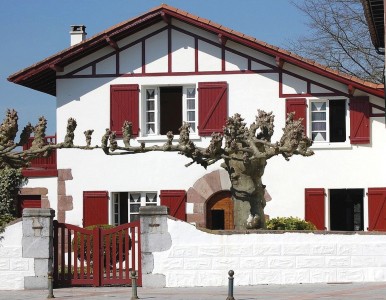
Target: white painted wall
{"x": 13, "y": 267}
{"x": 198, "y": 258}
{"x": 88, "y": 101}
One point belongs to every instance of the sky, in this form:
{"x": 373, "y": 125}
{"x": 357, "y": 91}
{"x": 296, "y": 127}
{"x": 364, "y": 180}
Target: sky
{"x": 35, "y": 29}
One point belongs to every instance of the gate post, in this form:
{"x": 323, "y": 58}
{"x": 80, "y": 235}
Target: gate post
{"x": 155, "y": 237}
{"x": 37, "y": 243}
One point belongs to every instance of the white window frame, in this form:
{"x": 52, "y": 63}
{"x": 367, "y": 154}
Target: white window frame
{"x": 142, "y": 201}
{"x": 144, "y": 122}
{"x": 327, "y": 144}
{"x": 116, "y": 197}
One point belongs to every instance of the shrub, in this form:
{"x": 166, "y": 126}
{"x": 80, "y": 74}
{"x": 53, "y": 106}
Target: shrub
{"x": 289, "y": 223}
{"x": 85, "y": 250}
{"x": 10, "y": 182}
{"x": 4, "y": 220}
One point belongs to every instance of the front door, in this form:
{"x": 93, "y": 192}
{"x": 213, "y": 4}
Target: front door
{"x": 219, "y": 212}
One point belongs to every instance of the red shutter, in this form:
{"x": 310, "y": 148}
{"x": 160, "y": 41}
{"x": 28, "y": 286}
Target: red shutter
{"x": 212, "y": 107}
{"x": 314, "y": 203}
{"x": 95, "y": 208}
{"x": 359, "y": 120}
{"x": 175, "y": 200}
{"x": 377, "y": 209}
{"x": 28, "y": 201}
{"x": 124, "y": 106}
{"x": 299, "y": 106}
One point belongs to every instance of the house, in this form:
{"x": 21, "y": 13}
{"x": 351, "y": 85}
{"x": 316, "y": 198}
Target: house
{"x": 168, "y": 66}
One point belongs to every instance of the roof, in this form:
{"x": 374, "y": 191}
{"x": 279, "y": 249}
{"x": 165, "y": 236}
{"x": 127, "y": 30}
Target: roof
{"x": 42, "y": 75}
{"x": 374, "y": 13}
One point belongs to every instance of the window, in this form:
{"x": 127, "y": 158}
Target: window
{"x": 166, "y": 108}
{"x": 328, "y": 121}
{"x": 346, "y": 209}
{"x": 125, "y": 205}
{"x": 28, "y": 201}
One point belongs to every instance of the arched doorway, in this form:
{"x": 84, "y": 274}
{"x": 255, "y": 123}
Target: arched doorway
{"x": 219, "y": 211}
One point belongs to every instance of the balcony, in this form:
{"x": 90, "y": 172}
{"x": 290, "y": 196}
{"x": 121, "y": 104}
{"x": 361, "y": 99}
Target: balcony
{"x": 42, "y": 166}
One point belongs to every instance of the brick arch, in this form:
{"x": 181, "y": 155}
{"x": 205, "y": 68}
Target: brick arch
{"x": 202, "y": 190}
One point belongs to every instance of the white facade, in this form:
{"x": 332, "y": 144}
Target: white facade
{"x": 182, "y": 55}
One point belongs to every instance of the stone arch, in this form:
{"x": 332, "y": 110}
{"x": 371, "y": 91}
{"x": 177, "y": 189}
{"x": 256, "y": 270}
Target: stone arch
{"x": 202, "y": 190}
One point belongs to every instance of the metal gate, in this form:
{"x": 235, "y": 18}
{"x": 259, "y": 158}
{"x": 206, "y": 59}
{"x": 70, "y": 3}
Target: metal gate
{"x": 96, "y": 257}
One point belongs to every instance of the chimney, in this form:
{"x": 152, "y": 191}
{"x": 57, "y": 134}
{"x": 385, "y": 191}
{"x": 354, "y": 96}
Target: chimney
{"x": 77, "y": 34}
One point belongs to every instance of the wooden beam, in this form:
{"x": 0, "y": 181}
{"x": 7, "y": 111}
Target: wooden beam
{"x": 57, "y": 68}
{"x": 165, "y": 17}
{"x": 279, "y": 62}
{"x": 112, "y": 43}
{"x": 351, "y": 90}
{"x": 222, "y": 39}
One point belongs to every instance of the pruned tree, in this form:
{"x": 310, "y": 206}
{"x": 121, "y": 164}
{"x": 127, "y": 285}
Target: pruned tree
{"x": 339, "y": 38}
{"x": 11, "y": 153}
{"x": 244, "y": 151}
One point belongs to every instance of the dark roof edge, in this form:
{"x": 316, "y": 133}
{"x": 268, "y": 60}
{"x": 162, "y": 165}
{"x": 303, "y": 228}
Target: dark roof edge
{"x": 370, "y": 23}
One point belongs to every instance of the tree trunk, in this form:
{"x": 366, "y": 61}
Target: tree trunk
{"x": 245, "y": 177}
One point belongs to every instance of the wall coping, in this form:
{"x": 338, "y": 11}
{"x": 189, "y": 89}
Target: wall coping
{"x": 261, "y": 231}
{"x": 153, "y": 210}
{"x": 38, "y": 212}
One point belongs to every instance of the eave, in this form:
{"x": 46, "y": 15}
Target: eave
{"x": 374, "y": 13}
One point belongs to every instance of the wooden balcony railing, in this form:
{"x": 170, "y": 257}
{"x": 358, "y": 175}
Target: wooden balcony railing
{"x": 42, "y": 166}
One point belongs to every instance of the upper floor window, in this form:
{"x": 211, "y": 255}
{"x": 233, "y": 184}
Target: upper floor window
{"x": 166, "y": 108}
{"x": 334, "y": 120}
{"x": 328, "y": 120}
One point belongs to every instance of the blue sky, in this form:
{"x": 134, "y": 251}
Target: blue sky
{"x": 35, "y": 29}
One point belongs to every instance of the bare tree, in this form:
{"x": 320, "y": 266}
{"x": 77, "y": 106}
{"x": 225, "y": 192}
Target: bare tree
{"x": 339, "y": 38}
{"x": 11, "y": 153}
{"x": 244, "y": 150}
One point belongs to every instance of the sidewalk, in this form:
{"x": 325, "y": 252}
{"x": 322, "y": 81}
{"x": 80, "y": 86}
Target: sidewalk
{"x": 349, "y": 291}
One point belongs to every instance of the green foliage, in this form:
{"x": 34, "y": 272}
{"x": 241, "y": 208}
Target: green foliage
{"x": 85, "y": 242}
{"x": 10, "y": 182}
{"x": 289, "y": 223}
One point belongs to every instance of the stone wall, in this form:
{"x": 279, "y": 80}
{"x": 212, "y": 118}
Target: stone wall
{"x": 13, "y": 267}
{"x": 37, "y": 243}
{"x": 198, "y": 258}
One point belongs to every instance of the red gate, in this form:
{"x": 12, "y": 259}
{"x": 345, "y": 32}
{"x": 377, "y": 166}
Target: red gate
{"x": 96, "y": 257}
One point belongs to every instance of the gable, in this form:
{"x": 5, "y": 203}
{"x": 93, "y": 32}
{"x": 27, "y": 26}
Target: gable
{"x": 42, "y": 76}
{"x": 173, "y": 49}
{"x": 295, "y": 82}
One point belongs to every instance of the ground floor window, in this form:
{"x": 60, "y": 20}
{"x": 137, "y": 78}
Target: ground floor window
{"x": 125, "y": 205}
{"x": 28, "y": 201}
{"x": 346, "y": 209}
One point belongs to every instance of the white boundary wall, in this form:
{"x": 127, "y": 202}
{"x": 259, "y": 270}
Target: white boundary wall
{"x": 13, "y": 267}
{"x": 198, "y": 258}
